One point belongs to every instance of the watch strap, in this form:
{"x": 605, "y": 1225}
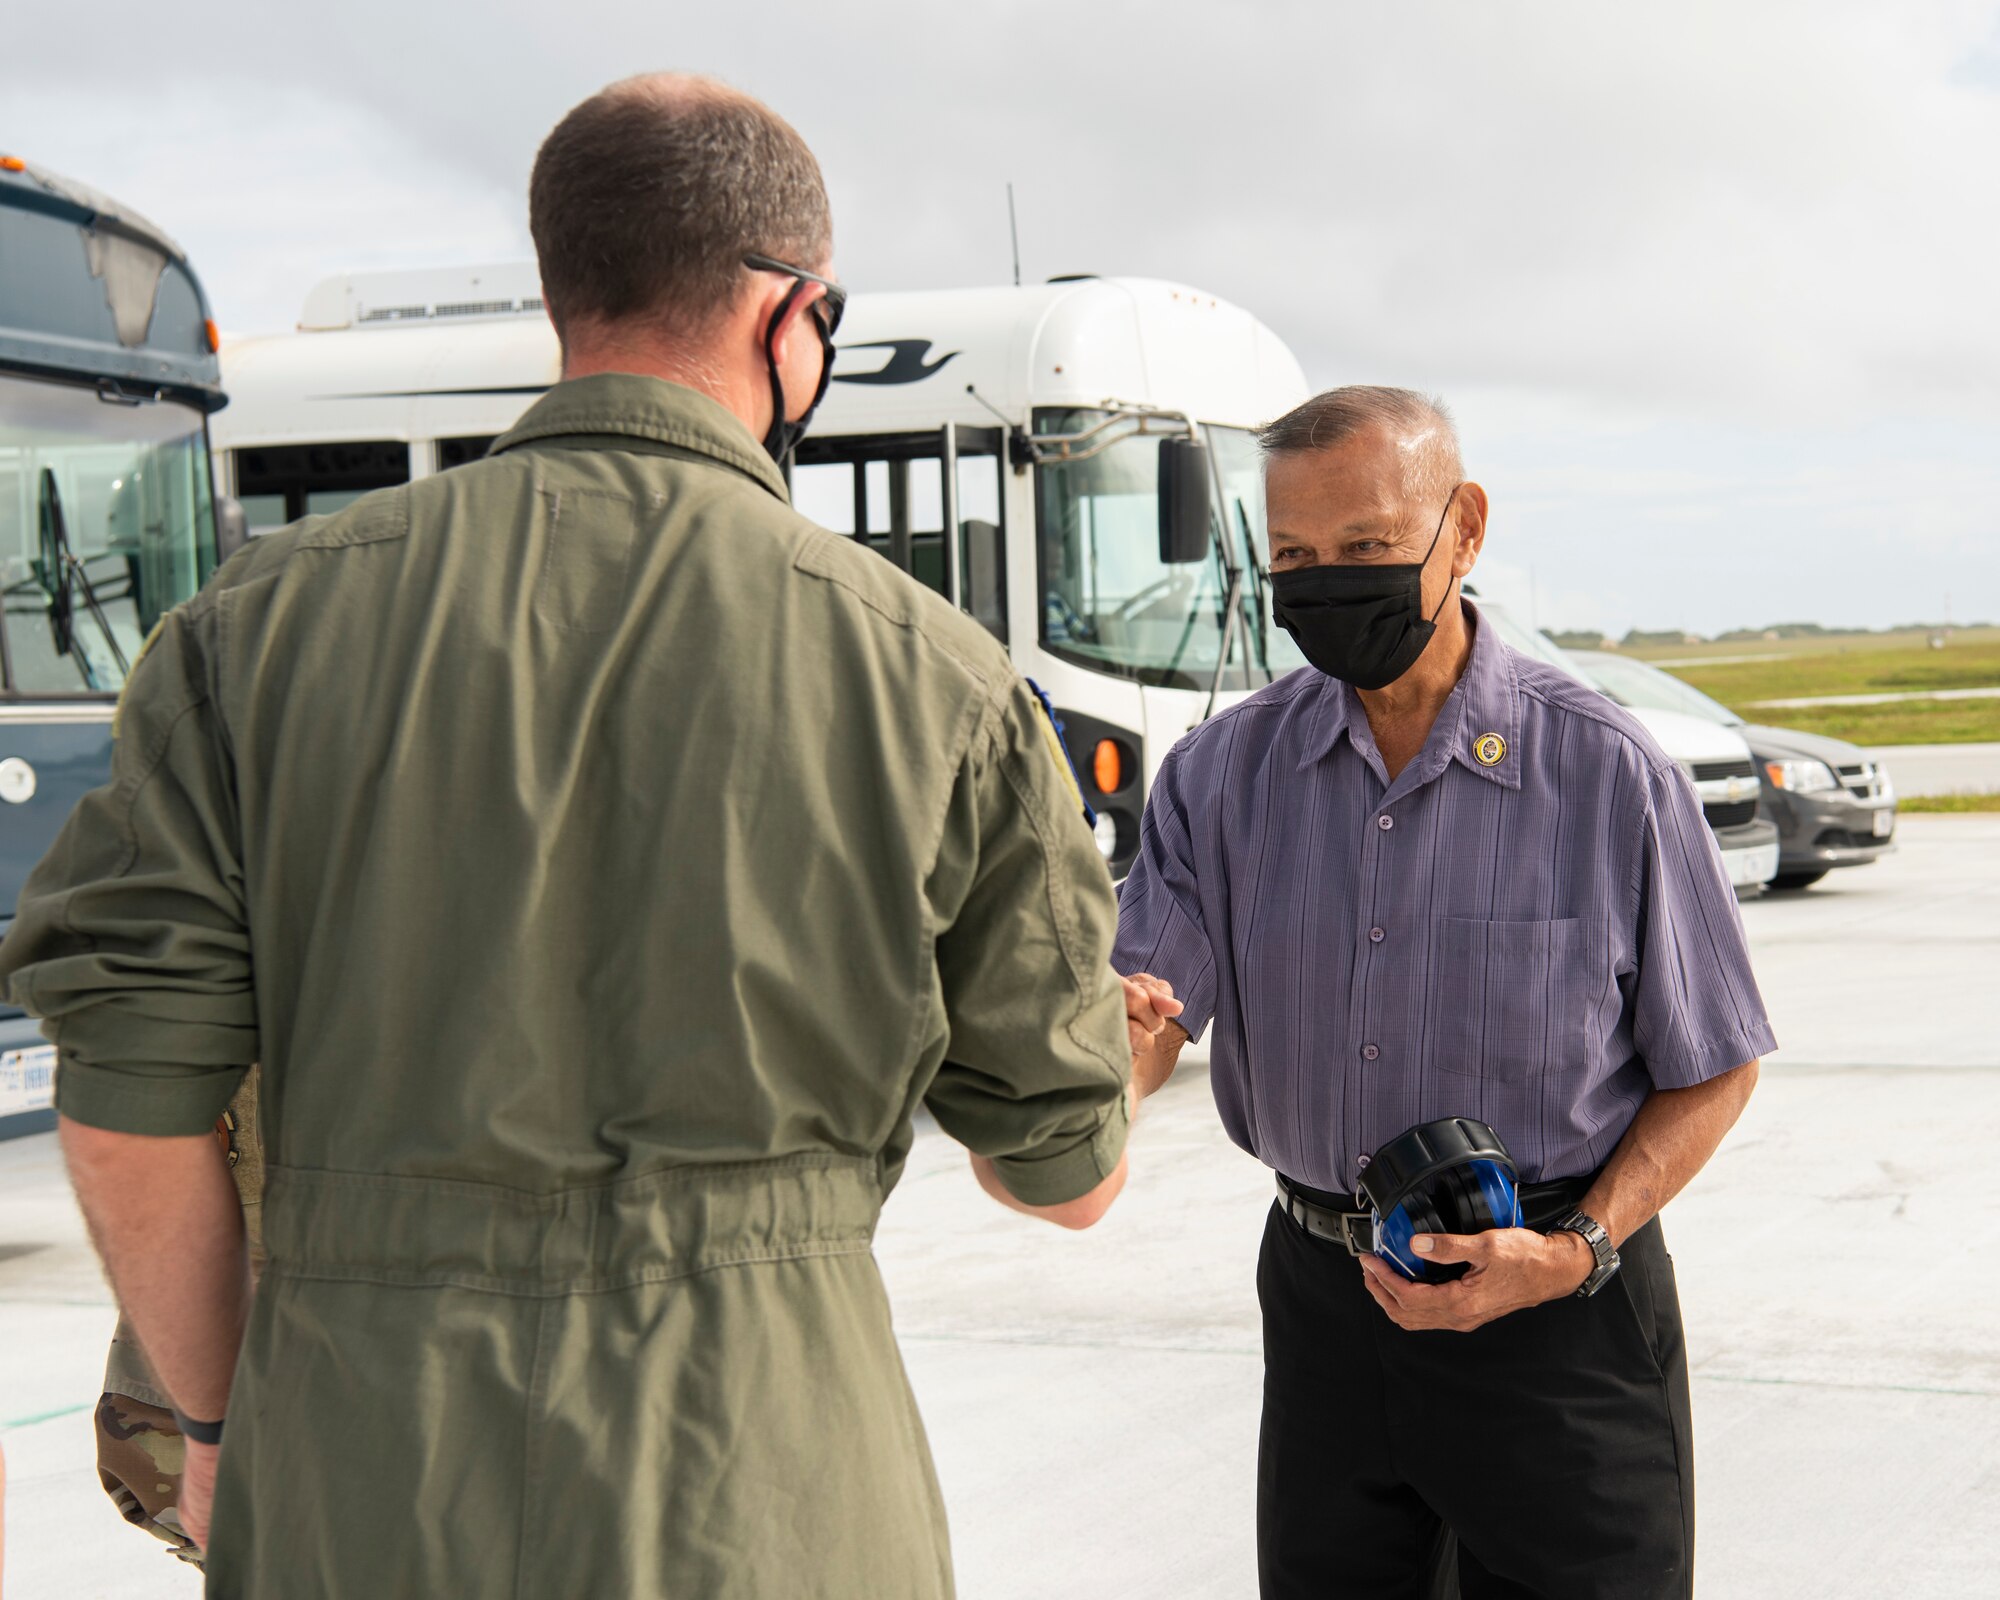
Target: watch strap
{"x": 200, "y": 1432}
{"x": 1603, "y": 1253}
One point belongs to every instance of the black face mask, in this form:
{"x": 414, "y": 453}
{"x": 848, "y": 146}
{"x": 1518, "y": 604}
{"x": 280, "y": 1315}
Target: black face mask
{"x": 1364, "y": 625}
{"x": 783, "y": 435}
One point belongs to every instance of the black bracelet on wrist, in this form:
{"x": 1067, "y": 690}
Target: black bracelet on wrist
{"x": 199, "y": 1432}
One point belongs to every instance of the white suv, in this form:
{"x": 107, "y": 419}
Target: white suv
{"x": 1716, "y": 759}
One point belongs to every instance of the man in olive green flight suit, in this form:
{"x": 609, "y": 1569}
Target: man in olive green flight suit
{"x": 604, "y": 864}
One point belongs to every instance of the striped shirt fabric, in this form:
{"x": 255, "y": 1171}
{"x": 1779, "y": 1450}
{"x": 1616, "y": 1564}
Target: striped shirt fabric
{"x": 1530, "y": 926}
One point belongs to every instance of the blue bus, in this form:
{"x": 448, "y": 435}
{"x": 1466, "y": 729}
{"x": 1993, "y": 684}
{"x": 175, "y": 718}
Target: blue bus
{"x": 108, "y": 517}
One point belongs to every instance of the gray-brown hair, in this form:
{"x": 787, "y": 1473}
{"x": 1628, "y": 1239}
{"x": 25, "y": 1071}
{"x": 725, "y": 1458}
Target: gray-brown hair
{"x": 645, "y": 199}
{"x": 1419, "y": 423}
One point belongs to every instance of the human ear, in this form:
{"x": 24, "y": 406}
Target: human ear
{"x": 1469, "y": 526}
{"x": 796, "y": 347}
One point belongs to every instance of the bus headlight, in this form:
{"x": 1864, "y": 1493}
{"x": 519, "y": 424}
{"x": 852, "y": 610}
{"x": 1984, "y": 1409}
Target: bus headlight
{"x": 1106, "y": 833}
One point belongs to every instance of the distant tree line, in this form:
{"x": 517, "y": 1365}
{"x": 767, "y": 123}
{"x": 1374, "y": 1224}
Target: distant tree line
{"x": 1640, "y": 638}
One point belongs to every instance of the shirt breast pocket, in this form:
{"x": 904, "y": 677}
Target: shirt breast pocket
{"x": 1510, "y": 1000}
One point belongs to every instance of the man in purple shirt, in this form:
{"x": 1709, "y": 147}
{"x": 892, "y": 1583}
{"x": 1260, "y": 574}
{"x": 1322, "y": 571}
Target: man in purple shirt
{"x": 1428, "y": 877}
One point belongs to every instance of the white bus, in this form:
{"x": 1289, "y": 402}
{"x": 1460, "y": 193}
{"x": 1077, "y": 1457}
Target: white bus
{"x": 1070, "y": 463}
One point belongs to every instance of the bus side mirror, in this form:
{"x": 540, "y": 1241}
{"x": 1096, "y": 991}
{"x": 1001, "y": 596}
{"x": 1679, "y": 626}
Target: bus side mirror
{"x": 232, "y": 527}
{"x": 1184, "y": 490}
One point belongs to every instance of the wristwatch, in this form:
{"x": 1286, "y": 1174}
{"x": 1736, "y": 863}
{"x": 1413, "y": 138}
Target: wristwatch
{"x": 1592, "y": 1233}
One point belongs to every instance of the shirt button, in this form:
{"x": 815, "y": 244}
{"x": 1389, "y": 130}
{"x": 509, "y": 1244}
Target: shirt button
{"x": 1376, "y": 936}
{"x": 1369, "y": 1052}
{"x": 1385, "y": 823}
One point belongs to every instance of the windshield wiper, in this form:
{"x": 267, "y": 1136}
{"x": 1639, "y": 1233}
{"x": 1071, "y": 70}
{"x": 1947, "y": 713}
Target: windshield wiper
{"x": 62, "y": 575}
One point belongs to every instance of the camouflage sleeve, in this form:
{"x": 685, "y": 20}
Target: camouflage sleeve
{"x": 139, "y": 1447}
{"x": 139, "y": 1458}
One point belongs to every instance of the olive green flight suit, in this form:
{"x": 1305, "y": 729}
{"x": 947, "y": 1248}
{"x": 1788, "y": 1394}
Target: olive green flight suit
{"x": 604, "y": 864}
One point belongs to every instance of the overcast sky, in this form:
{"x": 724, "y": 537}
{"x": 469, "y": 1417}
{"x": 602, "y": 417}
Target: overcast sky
{"x": 1711, "y": 286}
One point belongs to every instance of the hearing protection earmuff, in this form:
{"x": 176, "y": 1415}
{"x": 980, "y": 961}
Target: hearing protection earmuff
{"x": 1449, "y": 1176}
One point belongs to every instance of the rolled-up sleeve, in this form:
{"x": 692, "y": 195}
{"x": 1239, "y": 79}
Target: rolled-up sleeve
{"x": 1037, "y": 1063}
{"x": 130, "y": 942}
{"x": 1696, "y": 1011}
{"x": 1160, "y": 927}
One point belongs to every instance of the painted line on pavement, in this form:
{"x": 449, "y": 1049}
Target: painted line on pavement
{"x": 1847, "y": 1388}
{"x": 45, "y": 1416}
{"x": 1127, "y": 1346}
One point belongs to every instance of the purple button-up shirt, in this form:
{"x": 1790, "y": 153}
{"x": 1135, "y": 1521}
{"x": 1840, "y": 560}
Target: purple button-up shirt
{"x": 1530, "y": 926}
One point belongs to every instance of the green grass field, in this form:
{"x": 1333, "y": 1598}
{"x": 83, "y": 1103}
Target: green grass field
{"x": 1950, "y": 802}
{"x": 1852, "y": 664}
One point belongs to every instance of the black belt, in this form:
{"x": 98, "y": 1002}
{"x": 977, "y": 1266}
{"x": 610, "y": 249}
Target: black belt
{"x": 1331, "y": 1216}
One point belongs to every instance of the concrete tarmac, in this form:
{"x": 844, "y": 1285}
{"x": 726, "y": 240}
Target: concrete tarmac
{"x": 1092, "y": 1399}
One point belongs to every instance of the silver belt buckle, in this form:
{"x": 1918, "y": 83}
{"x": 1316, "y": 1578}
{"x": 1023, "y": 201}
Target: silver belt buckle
{"x": 1362, "y": 1236}
{"x": 1355, "y": 1232}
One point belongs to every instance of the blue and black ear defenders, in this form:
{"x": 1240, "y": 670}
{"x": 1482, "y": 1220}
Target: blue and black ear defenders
{"x": 1449, "y": 1176}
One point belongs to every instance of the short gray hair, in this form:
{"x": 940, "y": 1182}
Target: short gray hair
{"x": 1419, "y": 423}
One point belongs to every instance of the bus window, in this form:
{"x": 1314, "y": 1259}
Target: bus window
{"x": 1239, "y": 470}
{"x": 887, "y": 491}
{"x": 279, "y": 484}
{"x": 1109, "y": 602}
{"x": 265, "y": 513}
{"x": 823, "y": 492}
{"x": 105, "y": 524}
{"x": 982, "y": 546}
{"x": 457, "y": 452}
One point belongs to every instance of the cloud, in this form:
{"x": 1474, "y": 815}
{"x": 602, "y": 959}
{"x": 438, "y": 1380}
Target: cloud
{"x": 270, "y": 190}
{"x": 1702, "y": 277}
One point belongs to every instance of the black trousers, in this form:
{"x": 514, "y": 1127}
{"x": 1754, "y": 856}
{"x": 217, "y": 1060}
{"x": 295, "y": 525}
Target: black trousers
{"x": 1545, "y": 1456}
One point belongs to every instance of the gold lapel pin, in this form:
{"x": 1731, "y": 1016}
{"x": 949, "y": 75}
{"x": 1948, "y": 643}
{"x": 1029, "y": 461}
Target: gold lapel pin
{"x": 1489, "y": 749}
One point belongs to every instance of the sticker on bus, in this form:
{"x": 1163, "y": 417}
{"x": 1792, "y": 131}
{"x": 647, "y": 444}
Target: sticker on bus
{"x": 27, "y": 1080}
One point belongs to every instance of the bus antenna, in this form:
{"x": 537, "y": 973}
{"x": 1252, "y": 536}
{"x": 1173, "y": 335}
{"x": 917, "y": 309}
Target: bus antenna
{"x": 1014, "y": 232}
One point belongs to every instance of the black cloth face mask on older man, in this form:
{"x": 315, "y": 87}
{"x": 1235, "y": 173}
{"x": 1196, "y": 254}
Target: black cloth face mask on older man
{"x": 1364, "y": 625}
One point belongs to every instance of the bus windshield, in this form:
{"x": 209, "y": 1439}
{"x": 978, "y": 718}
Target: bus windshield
{"x": 106, "y": 523}
{"x": 1108, "y": 601}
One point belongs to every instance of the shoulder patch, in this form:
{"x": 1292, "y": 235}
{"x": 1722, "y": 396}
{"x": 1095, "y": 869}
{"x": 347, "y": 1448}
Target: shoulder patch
{"x": 1052, "y": 734}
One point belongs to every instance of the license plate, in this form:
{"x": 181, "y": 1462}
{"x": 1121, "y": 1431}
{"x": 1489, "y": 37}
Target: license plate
{"x": 27, "y": 1079}
{"x": 1885, "y": 823}
{"x": 1746, "y": 867}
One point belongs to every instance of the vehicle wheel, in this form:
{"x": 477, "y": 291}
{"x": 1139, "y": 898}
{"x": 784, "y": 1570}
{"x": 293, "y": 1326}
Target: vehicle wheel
{"x": 1797, "y": 880}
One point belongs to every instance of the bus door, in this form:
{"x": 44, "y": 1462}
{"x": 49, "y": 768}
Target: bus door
{"x": 899, "y": 493}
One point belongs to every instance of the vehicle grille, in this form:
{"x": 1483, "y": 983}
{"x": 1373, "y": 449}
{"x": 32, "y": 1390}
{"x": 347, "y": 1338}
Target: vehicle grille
{"x": 1841, "y": 839}
{"x": 1865, "y": 781}
{"x": 1707, "y": 771}
{"x": 1722, "y": 814}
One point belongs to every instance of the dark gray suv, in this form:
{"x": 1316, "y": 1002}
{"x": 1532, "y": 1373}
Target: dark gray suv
{"x": 1833, "y": 805}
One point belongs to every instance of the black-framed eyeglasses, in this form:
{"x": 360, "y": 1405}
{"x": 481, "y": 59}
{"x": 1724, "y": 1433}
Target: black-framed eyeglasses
{"x": 835, "y": 299}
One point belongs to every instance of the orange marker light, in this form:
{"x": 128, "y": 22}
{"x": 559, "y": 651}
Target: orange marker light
{"x": 12, "y": 164}
{"x": 214, "y": 336}
{"x": 1107, "y": 769}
